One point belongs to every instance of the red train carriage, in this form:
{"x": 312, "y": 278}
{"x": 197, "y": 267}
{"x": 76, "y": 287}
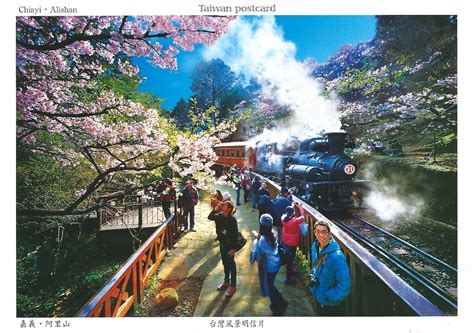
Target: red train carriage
{"x": 230, "y": 153}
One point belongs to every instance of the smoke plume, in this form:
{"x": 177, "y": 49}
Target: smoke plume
{"x": 256, "y": 48}
{"x": 390, "y": 199}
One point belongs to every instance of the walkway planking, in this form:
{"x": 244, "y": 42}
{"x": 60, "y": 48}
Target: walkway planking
{"x": 196, "y": 254}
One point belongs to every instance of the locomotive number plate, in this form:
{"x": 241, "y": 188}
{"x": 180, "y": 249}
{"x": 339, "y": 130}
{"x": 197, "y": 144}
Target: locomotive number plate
{"x": 349, "y": 169}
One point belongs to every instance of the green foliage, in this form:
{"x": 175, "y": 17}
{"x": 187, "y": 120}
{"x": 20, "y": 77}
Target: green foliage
{"x": 201, "y": 119}
{"x": 127, "y": 87}
{"x": 44, "y": 181}
{"x": 78, "y": 270}
{"x": 409, "y": 38}
{"x": 301, "y": 265}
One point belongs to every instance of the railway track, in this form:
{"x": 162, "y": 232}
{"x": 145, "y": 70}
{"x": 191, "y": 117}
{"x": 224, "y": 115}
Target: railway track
{"x": 435, "y": 279}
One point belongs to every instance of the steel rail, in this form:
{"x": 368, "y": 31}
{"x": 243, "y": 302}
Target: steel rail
{"x": 433, "y": 288}
{"x": 411, "y": 246}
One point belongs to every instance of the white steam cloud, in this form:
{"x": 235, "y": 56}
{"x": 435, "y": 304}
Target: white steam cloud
{"x": 388, "y": 206}
{"x": 390, "y": 201}
{"x": 256, "y": 48}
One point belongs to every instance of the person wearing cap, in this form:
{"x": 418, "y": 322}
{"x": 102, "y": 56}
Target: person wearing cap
{"x": 265, "y": 252}
{"x": 291, "y": 238}
{"x": 190, "y": 198}
{"x": 330, "y": 276}
{"x": 281, "y": 201}
{"x": 227, "y": 231}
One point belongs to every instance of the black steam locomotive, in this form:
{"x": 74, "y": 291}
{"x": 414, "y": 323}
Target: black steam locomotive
{"x": 317, "y": 169}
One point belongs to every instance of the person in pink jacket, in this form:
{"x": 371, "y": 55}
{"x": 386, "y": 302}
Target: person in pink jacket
{"x": 291, "y": 237}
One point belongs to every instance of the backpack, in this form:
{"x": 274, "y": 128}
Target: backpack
{"x": 241, "y": 241}
{"x": 263, "y": 200}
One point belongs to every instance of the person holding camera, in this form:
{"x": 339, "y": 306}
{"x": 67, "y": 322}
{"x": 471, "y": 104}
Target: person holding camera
{"x": 330, "y": 281}
{"x": 291, "y": 237}
{"x": 227, "y": 231}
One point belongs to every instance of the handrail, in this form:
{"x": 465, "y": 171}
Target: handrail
{"x": 126, "y": 286}
{"x": 364, "y": 268}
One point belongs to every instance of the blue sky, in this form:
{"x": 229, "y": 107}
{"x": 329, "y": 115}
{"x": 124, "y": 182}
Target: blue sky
{"x": 317, "y": 37}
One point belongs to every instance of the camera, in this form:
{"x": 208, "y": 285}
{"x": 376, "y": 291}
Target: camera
{"x": 313, "y": 282}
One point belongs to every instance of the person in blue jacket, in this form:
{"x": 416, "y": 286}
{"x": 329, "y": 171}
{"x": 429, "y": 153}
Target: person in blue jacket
{"x": 265, "y": 252}
{"x": 282, "y": 200}
{"x": 330, "y": 277}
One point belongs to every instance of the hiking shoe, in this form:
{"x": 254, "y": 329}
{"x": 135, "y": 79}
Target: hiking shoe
{"x": 231, "y": 291}
{"x": 223, "y": 286}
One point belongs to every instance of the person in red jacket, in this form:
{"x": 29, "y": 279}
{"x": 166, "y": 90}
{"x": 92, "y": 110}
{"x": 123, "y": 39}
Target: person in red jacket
{"x": 218, "y": 198}
{"x": 291, "y": 237}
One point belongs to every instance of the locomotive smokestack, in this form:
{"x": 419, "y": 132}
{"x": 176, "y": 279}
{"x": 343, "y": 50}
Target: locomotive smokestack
{"x": 336, "y": 142}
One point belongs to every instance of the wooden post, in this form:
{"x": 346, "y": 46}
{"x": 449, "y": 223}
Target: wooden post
{"x": 140, "y": 215}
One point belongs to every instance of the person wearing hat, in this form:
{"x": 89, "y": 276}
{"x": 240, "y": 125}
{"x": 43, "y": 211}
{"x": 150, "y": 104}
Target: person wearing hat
{"x": 227, "y": 231}
{"x": 265, "y": 252}
{"x": 226, "y": 196}
{"x": 330, "y": 276}
{"x": 291, "y": 238}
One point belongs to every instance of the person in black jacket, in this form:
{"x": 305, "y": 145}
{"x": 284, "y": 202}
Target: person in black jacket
{"x": 227, "y": 230}
{"x": 189, "y": 199}
{"x": 167, "y": 195}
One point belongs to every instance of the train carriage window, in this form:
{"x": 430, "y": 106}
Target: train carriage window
{"x": 237, "y": 153}
{"x": 231, "y": 153}
{"x": 227, "y": 153}
{"x": 218, "y": 152}
{"x": 244, "y": 153}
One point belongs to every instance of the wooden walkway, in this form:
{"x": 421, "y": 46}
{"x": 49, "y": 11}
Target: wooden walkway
{"x": 197, "y": 255}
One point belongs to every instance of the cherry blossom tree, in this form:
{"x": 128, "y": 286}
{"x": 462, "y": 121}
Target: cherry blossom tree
{"x": 403, "y": 81}
{"x": 65, "y": 113}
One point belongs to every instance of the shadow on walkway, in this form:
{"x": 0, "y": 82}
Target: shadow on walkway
{"x": 196, "y": 254}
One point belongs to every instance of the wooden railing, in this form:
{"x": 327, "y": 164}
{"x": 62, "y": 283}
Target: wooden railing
{"x": 376, "y": 290}
{"x": 126, "y": 287}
